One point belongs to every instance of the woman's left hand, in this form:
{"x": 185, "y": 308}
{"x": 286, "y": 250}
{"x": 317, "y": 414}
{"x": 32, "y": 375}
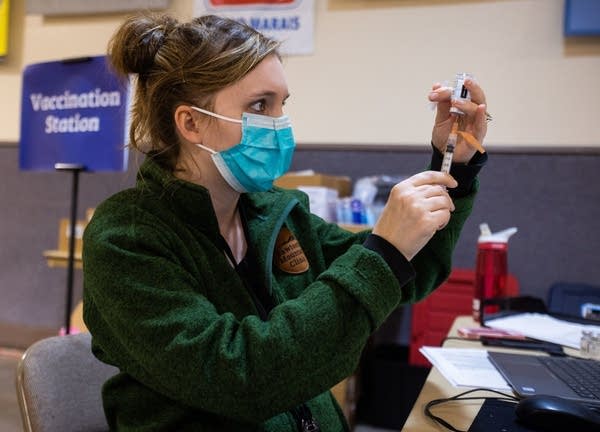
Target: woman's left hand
{"x": 473, "y": 121}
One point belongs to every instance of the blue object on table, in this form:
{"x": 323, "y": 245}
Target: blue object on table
{"x": 566, "y": 298}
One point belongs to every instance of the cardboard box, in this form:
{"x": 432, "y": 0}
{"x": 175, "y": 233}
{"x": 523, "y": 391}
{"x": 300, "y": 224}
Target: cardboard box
{"x": 64, "y": 235}
{"x": 343, "y": 184}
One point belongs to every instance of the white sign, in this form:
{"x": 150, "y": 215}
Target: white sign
{"x": 289, "y": 21}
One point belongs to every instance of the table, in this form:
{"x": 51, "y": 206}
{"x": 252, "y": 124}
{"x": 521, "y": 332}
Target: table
{"x": 460, "y": 414}
{"x": 60, "y": 258}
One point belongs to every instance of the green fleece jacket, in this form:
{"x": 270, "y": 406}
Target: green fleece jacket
{"x": 165, "y": 306}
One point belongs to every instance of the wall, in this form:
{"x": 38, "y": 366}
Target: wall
{"x": 374, "y": 62}
{"x": 34, "y": 295}
{"x": 552, "y": 198}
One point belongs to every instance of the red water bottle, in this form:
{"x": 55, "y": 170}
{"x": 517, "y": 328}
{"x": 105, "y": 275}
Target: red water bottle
{"x": 492, "y": 268}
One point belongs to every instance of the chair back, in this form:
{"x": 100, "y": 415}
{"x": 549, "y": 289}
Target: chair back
{"x": 567, "y": 298}
{"x": 59, "y": 383}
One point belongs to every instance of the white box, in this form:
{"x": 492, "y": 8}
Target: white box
{"x": 322, "y": 201}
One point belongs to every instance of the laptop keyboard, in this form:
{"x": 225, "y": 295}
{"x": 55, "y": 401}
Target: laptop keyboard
{"x": 583, "y": 376}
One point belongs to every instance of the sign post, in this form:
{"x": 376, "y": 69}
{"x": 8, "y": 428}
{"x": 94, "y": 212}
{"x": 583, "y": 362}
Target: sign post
{"x": 75, "y": 169}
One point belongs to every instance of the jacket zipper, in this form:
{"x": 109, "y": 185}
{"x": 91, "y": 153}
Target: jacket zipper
{"x": 304, "y": 419}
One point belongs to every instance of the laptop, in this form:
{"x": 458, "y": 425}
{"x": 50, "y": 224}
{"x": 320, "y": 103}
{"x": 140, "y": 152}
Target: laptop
{"x": 571, "y": 378}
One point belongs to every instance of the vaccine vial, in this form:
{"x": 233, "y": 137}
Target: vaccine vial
{"x": 586, "y": 340}
{"x": 460, "y": 91}
{"x": 359, "y": 215}
{"x": 595, "y": 346}
{"x": 344, "y": 210}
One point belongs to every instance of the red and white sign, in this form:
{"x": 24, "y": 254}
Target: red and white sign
{"x": 247, "y": 2}
{"x": 290, "y": 21}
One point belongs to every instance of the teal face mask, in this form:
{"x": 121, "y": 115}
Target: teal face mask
{"x": 263, "y": 155}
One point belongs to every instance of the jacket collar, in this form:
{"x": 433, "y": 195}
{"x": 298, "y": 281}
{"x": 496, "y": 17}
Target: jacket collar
{"x": 187, "y": 200}
{"x": 192, "y": 201}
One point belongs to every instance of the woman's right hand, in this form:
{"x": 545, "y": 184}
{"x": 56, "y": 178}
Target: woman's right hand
{"x": 416, "y": 208}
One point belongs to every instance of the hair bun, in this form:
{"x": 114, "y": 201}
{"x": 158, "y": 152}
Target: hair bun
{"x": 135, "y": 45}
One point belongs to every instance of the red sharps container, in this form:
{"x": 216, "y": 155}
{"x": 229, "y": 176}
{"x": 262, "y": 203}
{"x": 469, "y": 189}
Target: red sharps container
{"x": 492, "y": 268}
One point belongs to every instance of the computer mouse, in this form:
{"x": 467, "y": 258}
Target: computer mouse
{"x": 553, "y": 414}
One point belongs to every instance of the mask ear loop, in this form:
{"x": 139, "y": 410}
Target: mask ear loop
{"x": 203, "y": 147}
{"x": 212, "y": 114}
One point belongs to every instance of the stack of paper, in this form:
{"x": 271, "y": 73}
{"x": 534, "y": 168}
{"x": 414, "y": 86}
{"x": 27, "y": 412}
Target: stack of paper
{"x": 465, "y": 367}
{"x": 544, "y": 327}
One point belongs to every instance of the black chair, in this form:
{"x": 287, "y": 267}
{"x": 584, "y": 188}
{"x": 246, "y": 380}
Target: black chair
{"x": 566, "y": 298}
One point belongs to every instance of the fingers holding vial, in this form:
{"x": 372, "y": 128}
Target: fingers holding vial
{"x": 460, "y": 110}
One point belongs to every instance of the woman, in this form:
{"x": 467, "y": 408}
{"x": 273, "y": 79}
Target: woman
{"x": 227, "y": 305}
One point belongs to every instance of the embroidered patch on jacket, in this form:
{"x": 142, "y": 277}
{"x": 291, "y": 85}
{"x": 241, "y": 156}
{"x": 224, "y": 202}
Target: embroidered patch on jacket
{"x": 289, "y": 256}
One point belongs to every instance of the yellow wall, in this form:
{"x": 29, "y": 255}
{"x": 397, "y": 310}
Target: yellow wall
{"x": 374, "y": 62}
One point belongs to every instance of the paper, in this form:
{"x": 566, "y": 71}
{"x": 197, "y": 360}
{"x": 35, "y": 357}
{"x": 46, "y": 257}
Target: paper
{"x": 465, "y": 367}
{"x": 544, "y": 327}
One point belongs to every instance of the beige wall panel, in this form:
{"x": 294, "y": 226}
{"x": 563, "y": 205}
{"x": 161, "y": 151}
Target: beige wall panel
{"x": 374, "y": 62}
{"x": 58, "y": 7}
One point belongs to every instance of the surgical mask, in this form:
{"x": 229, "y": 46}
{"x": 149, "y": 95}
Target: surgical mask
{"x": 263, "y": 154}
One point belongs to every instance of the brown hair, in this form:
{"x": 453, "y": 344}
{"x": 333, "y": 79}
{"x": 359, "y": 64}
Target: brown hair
{"x": 180, "y": 63}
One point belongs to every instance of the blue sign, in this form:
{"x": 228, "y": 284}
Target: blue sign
{"x": 74, "y": 112}
{"x": 582, "y": 18}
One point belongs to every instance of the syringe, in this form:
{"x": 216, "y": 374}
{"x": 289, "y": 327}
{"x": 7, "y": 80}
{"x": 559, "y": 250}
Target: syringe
{"x": 459, "y": 92}
{"x": 450, "y": 144}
